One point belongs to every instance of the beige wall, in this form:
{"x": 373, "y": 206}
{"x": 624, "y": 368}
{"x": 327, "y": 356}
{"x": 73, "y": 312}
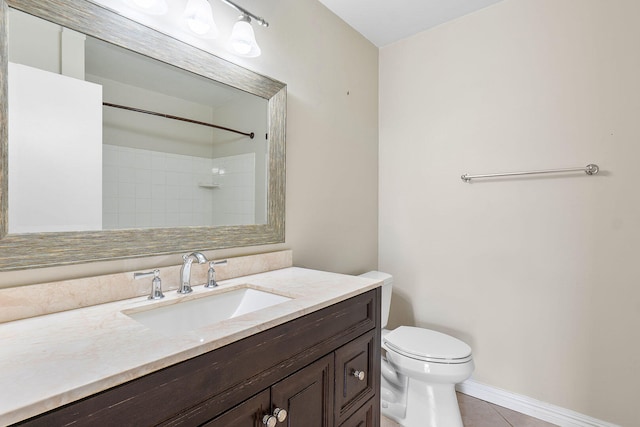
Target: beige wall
{"x": 332, "y": 152}
{"x": 538, "y": 275}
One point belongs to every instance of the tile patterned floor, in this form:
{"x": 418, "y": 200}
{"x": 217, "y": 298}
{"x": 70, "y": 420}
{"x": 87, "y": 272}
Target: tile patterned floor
{"x": 478, "y": 413}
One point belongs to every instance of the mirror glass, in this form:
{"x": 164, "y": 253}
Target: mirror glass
{"x": 82, "y": 181}
{"x": 103, "y": 138}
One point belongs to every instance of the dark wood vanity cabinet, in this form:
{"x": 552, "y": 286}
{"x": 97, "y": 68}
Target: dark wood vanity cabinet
{"x": 322, "y": 368}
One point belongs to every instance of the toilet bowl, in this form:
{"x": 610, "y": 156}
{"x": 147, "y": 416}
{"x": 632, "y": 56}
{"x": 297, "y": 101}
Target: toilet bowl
{"x": 420, "y": 369}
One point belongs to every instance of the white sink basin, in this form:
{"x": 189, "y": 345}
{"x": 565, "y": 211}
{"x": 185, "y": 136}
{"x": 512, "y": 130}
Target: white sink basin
{"x": 199, "y": 312}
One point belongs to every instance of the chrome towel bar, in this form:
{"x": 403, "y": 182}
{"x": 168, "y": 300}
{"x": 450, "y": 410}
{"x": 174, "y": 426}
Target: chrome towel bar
{"x": 590, "y": 169}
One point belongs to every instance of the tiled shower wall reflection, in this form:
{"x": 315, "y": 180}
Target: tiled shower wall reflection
{"x": 234, "y": 200}
{"x": 143, "y": 188}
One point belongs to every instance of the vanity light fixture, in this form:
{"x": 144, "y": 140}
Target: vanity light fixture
{"x": 198, "y": 18}
{"x": 151, "y": 7}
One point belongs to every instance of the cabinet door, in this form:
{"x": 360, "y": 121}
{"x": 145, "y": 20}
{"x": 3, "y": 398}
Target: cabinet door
{"x": 307, "y": 395}
{"x": 247, "y": 414}
{"x": 366, "y": 416}
{"x": 357, "y": 374}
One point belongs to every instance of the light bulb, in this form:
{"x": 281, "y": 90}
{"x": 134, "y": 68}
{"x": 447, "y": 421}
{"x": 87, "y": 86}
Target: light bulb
{"x": 199, "y": 18}
{"x": 243, "y": 39}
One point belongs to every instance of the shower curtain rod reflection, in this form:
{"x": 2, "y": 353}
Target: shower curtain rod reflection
{"x": 590, "y": 169}
{"x": 182, "y": 119}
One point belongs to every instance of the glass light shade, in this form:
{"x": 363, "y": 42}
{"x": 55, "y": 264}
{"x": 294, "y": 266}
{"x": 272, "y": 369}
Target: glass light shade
{"x": 243, "y": 40}
{"x": 151, "y": 7}
{"x": 199, "y": 19}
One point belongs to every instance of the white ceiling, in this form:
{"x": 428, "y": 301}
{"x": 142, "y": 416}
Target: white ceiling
{"x": 383, "y": 22}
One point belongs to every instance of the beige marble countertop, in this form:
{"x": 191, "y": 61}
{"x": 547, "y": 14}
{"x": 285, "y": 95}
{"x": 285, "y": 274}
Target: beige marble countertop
{"x": 52, "y": 360}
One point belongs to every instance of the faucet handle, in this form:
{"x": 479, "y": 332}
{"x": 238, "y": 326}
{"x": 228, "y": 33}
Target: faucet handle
{"x": 156, "y": 283}
{"x": 211, "y": 279}
{"x": 143, "y": 275}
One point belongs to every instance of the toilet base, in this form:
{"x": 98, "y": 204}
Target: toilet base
{"x": 393, "y": 396}
{"x": 422, "y": 405}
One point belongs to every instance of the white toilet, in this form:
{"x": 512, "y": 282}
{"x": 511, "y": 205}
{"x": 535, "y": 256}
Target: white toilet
{"x": 420, "y": 371}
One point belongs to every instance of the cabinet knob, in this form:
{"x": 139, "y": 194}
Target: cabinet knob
{"x": 280, "y": 414}
{"x": 359, "y": 374}
{"x": 269, "y": 421}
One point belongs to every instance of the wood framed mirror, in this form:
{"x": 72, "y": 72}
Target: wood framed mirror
{"x": 22, "y": 250}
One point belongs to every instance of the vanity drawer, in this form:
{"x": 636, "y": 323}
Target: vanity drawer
{"x": 356, "y": 381}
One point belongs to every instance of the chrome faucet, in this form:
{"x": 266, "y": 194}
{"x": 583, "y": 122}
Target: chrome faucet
{"x": 185, "y": 271}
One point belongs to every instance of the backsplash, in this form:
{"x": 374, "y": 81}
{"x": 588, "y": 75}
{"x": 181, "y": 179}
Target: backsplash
{"x": 37, "y": 300}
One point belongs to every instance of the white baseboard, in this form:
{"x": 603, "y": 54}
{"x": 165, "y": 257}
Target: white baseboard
{"x": 528, "y": 406}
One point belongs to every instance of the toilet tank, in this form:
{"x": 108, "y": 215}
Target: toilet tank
{"x": 387, "y": 284}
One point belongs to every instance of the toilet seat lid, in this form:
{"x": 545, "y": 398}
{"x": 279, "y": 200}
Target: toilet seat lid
{"x": 427, "y": 345}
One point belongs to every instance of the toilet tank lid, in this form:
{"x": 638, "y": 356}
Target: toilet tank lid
{"x": 378, "y": 275}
